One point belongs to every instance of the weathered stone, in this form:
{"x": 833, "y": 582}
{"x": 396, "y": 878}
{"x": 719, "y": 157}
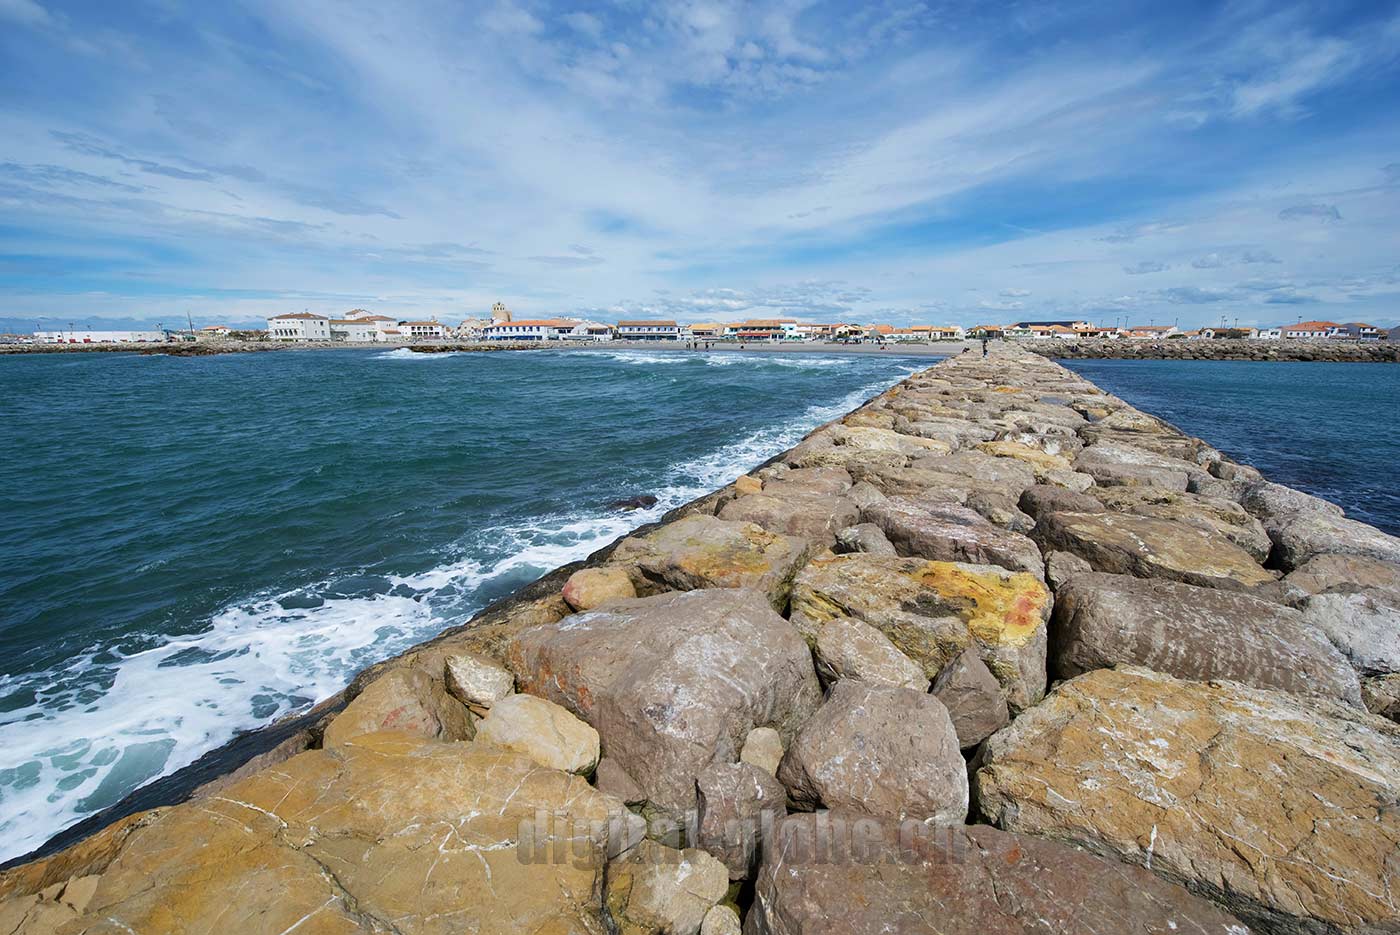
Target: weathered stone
{"x": 337, "y": 841}
{"x": 720, "y": 920}
{"x": 611, "y": 779}
{"x": 543, "y": 731}
{"x": 1109, "y": 474}
{"x": 1310, "y": 534}
{"x": 813, "y": 518}
{"x": 1363, "y": 625}
{"x": 1381, "y": 694}
{"x": 1210, "y": 513}
{"x": 1000, "y": 509}
{"x": 880, "y": 750}
{"x": 1150, "y": 548}
{"x": 861, "y": 876}
{"x": 1331, "y": 572}
{"x": 403, "y": 699}
{"x": 1276, "y": 504}
{"x": 853, "y": 649}
{"x": 1038, "y": 458}
{"x": 673, "y": 682}
{"x": 915, "y": 482}
{"x": 1050, "y": 443}
{"x": 1281, "y": 809}
{"x": 1204, "y": 634}
{"x": 703, "y": 552}
{"x": 763, "y": 747}
{"x": 657, "y": 890}
{"x": 874, "y": 439}
{"x": 473, "y": 680}
{"x": 1040, "y": 499}
{"x": 973, "y": 698}
{"x": 737, "y": 801}
{"x": 863, "y": 494}
{"x": 1070, "y": 480}
{"x": 1005, "y": 475}
{"x": 864, "y": 537}
{"x": 588, "y": 588}
{"x": 810, "y": 482}
{"x": 1062, "y": 566}
{"x": 932, "y": 611}
{"x": 950, "y": 533}
{"x": 746, "y": 484}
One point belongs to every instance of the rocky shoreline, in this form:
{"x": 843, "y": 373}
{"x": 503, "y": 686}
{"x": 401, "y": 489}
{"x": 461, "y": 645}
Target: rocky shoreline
{"x": 995, "y": 652}
{"x": 1376, "y": 352}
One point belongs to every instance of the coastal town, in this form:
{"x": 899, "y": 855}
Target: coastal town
{"x": 360, "y": 326}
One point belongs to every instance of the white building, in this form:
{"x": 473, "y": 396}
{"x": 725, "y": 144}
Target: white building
{"x": 546, "y": 329}
{"x": 299, "y": 326}
{"x": 215, "y": 331}
{"x": 99, "y": 337}
{"x": 660, "y": 330}
{"x": 1267, "y": 334}
{"x": 355, "y": 330}
{"x": 423, "y": 329}
{"x": 1311, "y": 329}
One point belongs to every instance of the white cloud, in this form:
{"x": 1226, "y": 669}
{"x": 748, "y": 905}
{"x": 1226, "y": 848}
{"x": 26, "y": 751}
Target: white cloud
{"x": 25, "y": 12}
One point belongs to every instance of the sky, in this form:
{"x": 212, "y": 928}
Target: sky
{"x": 878, "y": 161}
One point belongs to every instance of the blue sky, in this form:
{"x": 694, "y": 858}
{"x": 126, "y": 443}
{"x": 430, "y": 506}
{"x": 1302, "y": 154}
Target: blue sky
{"x": 876, "y": 161}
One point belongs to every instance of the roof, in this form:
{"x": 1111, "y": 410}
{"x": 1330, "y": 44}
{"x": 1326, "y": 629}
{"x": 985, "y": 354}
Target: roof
{"x": 304, "y": 316}
{"x": 347, "y": 321}
{"x": 660, "y": 323}
{"x": 216, "y": 328}
{"x": 370, "y": 318}
{"x": 1312, "y": 326}
{"x": 430, "y": 324}
{"x": 1150, "y": 328}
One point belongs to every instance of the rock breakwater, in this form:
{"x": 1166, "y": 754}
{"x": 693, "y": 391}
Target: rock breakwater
{"x": 994, "y": 653}
{"x": 1370, "y": 352}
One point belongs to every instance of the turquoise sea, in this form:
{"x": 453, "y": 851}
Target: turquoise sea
{"x": 196, "y": 546}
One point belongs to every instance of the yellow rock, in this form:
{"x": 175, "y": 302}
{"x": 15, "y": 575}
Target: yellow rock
{"x": 1040, "y": 461}
{"x": 747, "y": 485}
{"x": 588, "y": 588}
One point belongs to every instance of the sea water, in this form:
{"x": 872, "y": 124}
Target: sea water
{"x": 194, "y": 547}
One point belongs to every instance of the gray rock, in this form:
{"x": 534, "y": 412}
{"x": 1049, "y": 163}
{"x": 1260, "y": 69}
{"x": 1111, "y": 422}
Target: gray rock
{"x": 737, "y": 802}
{"x": 472, "y": 679}
{"x": 658, "y": 890}
{"x": 858, "y": 876}
{"x": 1332, "y": 572}
{"x": 863, "y": 537}
{"x": 950, "y": 533}
{"x": 813, "y": 517}
{"x": 883, "y": 751}
{"x": 1204, "y": 634}
{"x": 1039, "y": 499}
{"x": 1062, "y": 566}
{"x": 1363, "y": 625}
{"x": 864, "y": 494}
{"x": 1000, "y": 510}
{"x": 810, "y": 482}
{"x": 852, "y": 649}
{"x": 1134, "y": 475}
{"x": 674, "y": 682}
{"x": 1275, "y": 504}
{"x": 1309, "y": 534}
{"x": 973, "y": 698}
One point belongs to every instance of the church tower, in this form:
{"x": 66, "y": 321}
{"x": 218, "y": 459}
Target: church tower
{"x": 499, "y": 313}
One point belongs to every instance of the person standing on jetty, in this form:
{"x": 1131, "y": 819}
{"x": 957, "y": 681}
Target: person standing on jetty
{"x": 984, "y": 347}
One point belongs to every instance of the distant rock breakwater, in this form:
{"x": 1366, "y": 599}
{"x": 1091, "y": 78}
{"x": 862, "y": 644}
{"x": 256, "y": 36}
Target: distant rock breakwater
{"x": 995, "y": 652}
{"x": 1378, "y": 352}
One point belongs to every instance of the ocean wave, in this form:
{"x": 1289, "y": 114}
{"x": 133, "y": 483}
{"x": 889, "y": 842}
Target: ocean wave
{"x": 79, "y": 746}
{"x": 403, "y": 353}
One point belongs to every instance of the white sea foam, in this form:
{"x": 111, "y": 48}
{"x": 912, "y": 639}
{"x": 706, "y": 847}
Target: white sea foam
{"x": 403, "y": 353}
{"x": 274, "y": 654}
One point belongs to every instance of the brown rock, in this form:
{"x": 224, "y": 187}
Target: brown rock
{"x": 1381, "y": 693}
{"x": 588, "y": 588}
{"x": 1062, "y": 566}
{"x": 1330, "y": 572}
{"x": 1280, "y": 809}
{"x": 1212, "y": 514}
{"x": 1150, "y": 548}
{"x": 763, "y": 747}
{"x": 879, "y": 750}
{"x": 403, "y": 699}
{"x": 703, "y": 552}
{"x": 745, "y": 485}
{"x": 1000, "y": 510}
{"x": 861, "y": 876}
{"x": 973, "y": 698}
{"x": 1193, "y": 633}
{"x": 932, "y": 611}
{"x": 950, "y": 533}
{"x": 815, "y": 518}
{"x": 673, "y": 683}
{"x": 611, "y": 779}
{"x": 864, "y": 537}
{"x": 657, "y": 890}
{"x": 810, "y": 482}
{"x": 915, "y": 482}
{"x": 1040, "y": 499}
{"x": 1037, "y": 457}
{"x": 1109, "y": 474}
{"x": 737, "y": 802}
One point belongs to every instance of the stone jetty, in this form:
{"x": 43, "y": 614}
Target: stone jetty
{"x": 1364, "y": 352}
{"x": 994, "y": 653}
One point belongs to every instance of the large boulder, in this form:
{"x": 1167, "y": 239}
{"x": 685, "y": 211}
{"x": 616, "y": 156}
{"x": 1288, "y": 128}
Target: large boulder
{"x": 1281, "y": 809}
{"x": 704, "y": 552}
{"x": 973, "y": 698}
{"x": 1114, "y": 474}
{"x": 1123, "y": 544}
{"x": 1041, "y": 461}
{"x": 869, "y": 438}
{"x": 988, "y": 472}
{"x": 894, "y": 481}
{"x": 1193, "y": 633}
{"x": 388, "y": 832}
{"x": 588, "y": 588}
{"x": 813, "y": 517}
{"x": 932, "y": 611}
{"x": 950, "y": 533}
{"x": 475, "y": 680}
{"x": 853, "y": 649}
{"x": 1365, "y": 626}
{"x": 864, "y": 537}
{"x": 1039, "y": 499}
{"x": 1212, "y": 514}
{"x": 738, "y": 802}
{"x": 879, "y": 750}
{"x": 809, "y": 482}
{"x": 402, "y": 699}
{"x": 658, "y": 890}
{"x": 673, "y": 683}
{"x": 1331, "y": 572}
{"x": 1276, "y": 504}
{"x": 1381, "y": 693}
{"x": 1310, "y": 534}
{"x": 859, "y": 876}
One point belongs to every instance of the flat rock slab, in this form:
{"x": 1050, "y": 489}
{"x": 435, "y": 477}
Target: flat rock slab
{"x": 704, "y": 552}
{"x": 1365, "y": 626}
{"x": 972, "y": 880}
{"x": 932, "y": 611}
{"x": 879, "y": 750}
{"x": 1310, "y": 534}
{"x": 951, "y": 533}
{"x": 813, "y": 517}
{"x": 388, "y": 832}
{"x": 1193, "y": 633}
{"x": 1213, "y": 514}
{"x": 673, "y": 683}
{"x": 1286, "y": 811}
{"x": 1151, "y": 548}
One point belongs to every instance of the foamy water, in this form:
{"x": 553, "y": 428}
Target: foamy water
{"x": 106, "y": 720}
